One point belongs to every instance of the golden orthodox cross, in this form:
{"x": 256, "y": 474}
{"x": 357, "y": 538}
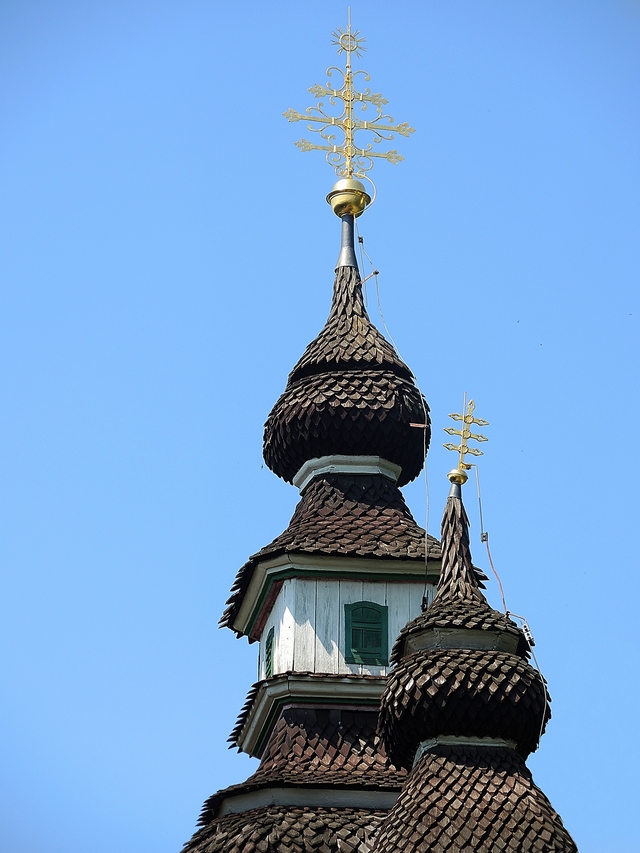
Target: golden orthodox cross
{"x": 347, "y": 158}
{"x": 465, "y": 436}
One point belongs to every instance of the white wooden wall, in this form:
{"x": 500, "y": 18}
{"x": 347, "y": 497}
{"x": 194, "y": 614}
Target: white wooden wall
{"x": 309, "y": 623}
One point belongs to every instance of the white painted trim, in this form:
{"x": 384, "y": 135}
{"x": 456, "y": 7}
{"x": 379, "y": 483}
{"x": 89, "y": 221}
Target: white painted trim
{"x": 327, "y": 798}
{"x": 332, "y": 565}
{"x": 456, "y": 740}
{"x": 339, "y": 464}
{"x": 461, "y": 638}
{"x": 334, "y": 690}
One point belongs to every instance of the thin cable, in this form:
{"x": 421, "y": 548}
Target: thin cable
{"x": 493, "y": 569}
{"x": 526, "y": 630}
{"x": 375, "y": 274}
{"x": 361, "y": 247}
{"x": 426, "y": 503}
{"x": 384, "y": 322}
{"x": 479, "y": 503}
{"x": 484, "y": 537}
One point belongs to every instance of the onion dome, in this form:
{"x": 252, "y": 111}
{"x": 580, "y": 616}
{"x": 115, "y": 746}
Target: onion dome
{"x": 461, "y": 711}
{"x": 350, "y": 394}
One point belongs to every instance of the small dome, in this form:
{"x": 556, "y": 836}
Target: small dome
{"x": 461, "y": 667}
{"x": 349, "y": 394}
{"x": 461, "y": 692}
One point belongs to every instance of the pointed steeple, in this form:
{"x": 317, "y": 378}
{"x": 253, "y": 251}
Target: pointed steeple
{"x": 459, "y": 602}
{"x": 349, "y": 340}
{"x": 461, "y": 711}
{"x": 459, "y": 580}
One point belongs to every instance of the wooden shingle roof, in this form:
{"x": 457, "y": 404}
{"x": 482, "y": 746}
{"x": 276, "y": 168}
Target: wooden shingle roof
{"x": 357, "y": 515}
{"x": 350, "y": 394}
{"x": 349, "y": 339}
{"x": 461, "y": 692}
{"x": 466, "y": 798}
{"x": 312, "y": 747}
{"x": 287, "y": 829}
{"x": 309, "y": 748}
{"x": 361, "y": 515}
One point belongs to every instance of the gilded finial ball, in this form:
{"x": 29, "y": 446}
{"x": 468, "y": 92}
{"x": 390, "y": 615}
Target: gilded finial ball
{"x": 348, "y": 196}
{"x": 458, "y": 475}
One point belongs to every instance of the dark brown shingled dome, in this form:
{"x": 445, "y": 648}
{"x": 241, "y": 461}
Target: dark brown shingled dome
{"x": 461, "y": 692}
{"x": 350, "y": 394}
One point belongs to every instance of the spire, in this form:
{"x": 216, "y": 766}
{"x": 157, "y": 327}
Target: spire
{"x": 351, "y": 153}
{"x": 462, "y": 710}
{"x": 350, "y": 394}
{"x": 461, "y": 626}
{"x": 343, "y": 431}
{"x": 459, "y": 580}
{"x": 349, "y": 340}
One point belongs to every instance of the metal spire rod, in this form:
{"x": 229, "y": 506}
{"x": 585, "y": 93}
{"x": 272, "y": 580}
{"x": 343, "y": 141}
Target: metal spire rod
{"x": 347, "y": 256}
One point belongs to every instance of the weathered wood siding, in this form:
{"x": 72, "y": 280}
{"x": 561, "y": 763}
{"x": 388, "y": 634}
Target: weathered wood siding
{"x": 309, "y": 623}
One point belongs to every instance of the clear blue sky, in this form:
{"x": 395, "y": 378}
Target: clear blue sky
{"x": 166, "y": 254}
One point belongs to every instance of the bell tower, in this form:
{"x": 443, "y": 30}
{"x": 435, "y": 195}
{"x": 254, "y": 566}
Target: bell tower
{"x": 325, "y": 599}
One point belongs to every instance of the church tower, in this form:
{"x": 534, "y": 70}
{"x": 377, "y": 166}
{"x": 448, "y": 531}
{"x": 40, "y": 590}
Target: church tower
{"x": 326, "y": 599}
{"x": 366, "y": 742}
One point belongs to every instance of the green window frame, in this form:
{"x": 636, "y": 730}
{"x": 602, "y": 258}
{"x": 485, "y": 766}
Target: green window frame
{"x": 366, "y": 633}
{"x": 268, "y": 655}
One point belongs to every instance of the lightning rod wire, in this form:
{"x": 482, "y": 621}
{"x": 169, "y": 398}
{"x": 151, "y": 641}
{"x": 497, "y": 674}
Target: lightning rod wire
{"x": 526, "y": 630}
{"x": 375, "y": 273}
{"x": 484, "y": 537}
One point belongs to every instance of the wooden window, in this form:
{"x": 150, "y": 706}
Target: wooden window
{"x": 366, "y": 633}
{"x": 268, "y": 655}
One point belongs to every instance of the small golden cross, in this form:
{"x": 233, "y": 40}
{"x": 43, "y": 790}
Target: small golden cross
{"x": 348, "y": 159}
{"x": 465, "y": 436}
